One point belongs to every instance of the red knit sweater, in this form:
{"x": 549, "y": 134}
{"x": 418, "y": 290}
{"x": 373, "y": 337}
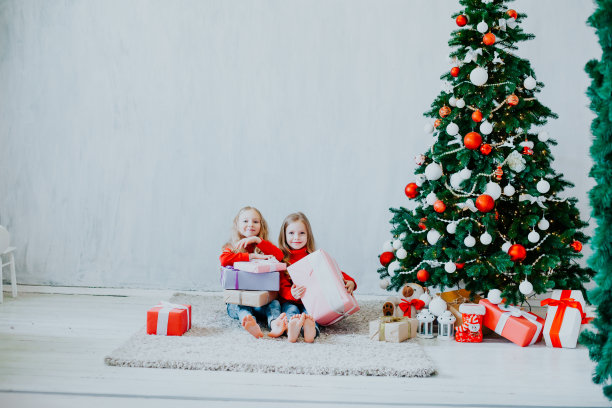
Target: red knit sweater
{"x": 286, "y": 283}
{"x": 228, "y": 257}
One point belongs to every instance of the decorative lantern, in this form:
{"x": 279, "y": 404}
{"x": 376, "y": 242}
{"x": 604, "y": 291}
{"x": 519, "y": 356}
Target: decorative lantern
{"x": 471, "y": 329}
{"x": 426, "y": 319}
{"x": 446, "y": 325}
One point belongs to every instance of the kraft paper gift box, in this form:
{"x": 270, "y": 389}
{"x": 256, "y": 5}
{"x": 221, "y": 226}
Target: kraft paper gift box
{"x": 169, "y": 319}
{"x": 454, "y": 299}
{"x": 520, "y": 327}
{"x": 325, "y": 298}
{"x": 260, "y": 266}
{"x": 393, "y": 329}
{"x": 232, "y": 278}
{"x": 255, "y": 298}
{"x": 564, "y": 317}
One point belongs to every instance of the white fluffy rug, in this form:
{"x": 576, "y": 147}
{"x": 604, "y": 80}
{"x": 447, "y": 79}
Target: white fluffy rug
{"x": 217, "y": 342}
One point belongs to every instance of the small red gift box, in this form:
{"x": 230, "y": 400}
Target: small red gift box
{"x": 520, "y": 327}
{"x": 168, "y": 319}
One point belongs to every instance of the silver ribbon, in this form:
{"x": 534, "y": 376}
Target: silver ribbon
{"x": 538, "y": 200}
{"x": 468, "y": 205}
{"x": 513, "y": 311}
{"x": 164, "y": 313}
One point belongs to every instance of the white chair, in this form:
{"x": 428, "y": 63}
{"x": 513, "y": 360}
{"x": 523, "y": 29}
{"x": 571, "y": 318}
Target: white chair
{"x": 7, "y": 251}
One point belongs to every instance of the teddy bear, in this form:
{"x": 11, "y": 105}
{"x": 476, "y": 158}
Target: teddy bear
{"x": 411, "y": 294}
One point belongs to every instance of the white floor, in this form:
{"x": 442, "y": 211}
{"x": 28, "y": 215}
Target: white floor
{"x": 53, "y": 342}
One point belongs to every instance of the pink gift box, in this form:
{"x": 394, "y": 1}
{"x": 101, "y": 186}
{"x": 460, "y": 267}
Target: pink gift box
{"x": 260, "y": 266}
{"x": 325, "y": 298}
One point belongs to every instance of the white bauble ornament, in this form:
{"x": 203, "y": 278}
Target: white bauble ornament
{"x": 543, "y": 136}
{"x": 401, "y": 253}
{"x": 397, "y": 244}
{"x": 452, "y": 101}
{"x": 460, "y": 103}
{"x": 506, "y": 247}
{"x": 431, "y": 198}
{"x": 479, "y": 76}
{"x": 433, "y": 236}
{"x": 425, "y": 298}
{"x": 529, "y": 83}
{"x": 452, "y": 129}
{"x": 451, "y": 228}
{"x": 486, "y": 128}
{"x": 433, "y": 171}
{"x": 509, "y": 190}
{"x": 428, "y": 128}
{"x": 511, "y": 23}
{"x": 493, "y": 189}
{"x": 494, "y": 296}
{"x": 525, "y": 287}
{"x": 533, "y": 236}
{"x": 543, "y": 186}
{"x": 384, "y": 283}
{"x": 403, "y": 236}
{"x": 465, "y": 173}
{"x": 450, "y": 267}
{"x": 437, "y": 306}
{"x": 456, "y": 180}
{"x": 388, "y": 246}
{"x": 419, "y": 179}
{"x": 393, "y": 266}
{"x": 482, "y": 27}
{"x": 469, "y": 241}
{"x": 486, "y": 238}
{"x": 543, "y": 224}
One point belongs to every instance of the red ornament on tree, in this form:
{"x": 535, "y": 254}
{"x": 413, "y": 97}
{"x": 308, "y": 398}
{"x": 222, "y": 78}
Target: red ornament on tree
{"x": 422, "y": 223}
{"x": 472, "y": 141}
{"x": 517, "y": 253}
{"x": 437, "y": 123}
{"x": 512, "y": 13}
{"x": 499, "y": 173}
{"x": 460, "y": 265}
{"x": 444, "y": 111}
{"x": 461, "y": 20}
{"x": 488, "y": 39}
{"x": 422, "y": 275}
{"x": 439, "y": 206}
{"x": 485, "y": 203}
{"x": 411, "y": 190}
{"x": 486, "y": 149}
{"x": 455, "y": 71}
{"x": 386, "y": 258}
{"x": 477, "y": 116}
{"x": 577, "y": 245}
{"x": 512, "y": 100}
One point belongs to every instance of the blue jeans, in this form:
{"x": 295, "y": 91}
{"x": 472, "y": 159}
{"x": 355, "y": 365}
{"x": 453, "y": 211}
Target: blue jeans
{"x": 270, "y": 311}
{"x": 291, "y": 309}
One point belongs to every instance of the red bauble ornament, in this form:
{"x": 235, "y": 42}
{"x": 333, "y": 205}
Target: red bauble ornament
{"x": 577, "y": 245}
{"x": 512, "y": 13}
{"x": 455, "y": 71}
{"x": 422, "y": 275}
{"x": 488, "y": 39}
{"x": 386, "y": 258}
{"x": 512, "y": 100}
{"x": 411, "y": 190}
{"x": 517, "y": 253}
{"x": 439, "y": 206}
{"x": 444, "y": 111}
{"x": 460, "y": 265}
{"x": 472, "y": 141}
{"x": 486, "y": 149}
{"x": 461, "y": 20}
{"x": 477, "y": 116}
{"x": 422, "y": 223}
{"x": 437, "y": 123}
{"x": 485, "y": 203}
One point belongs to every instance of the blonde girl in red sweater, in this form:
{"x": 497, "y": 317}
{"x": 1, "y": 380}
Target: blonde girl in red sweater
{"x": 249, "y": 240}
{"x": 296, "y": 241}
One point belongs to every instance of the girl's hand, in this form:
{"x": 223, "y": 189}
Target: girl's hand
{"x": 259, "y": 256}
{"x": 297, "y": 291}
{"x": 350, "y": 286}
{"x": 244, "y": 242}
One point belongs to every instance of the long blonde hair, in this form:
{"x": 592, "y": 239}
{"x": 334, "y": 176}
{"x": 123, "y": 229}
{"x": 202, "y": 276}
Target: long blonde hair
{"x": 282, "y": 239}
{"x": 236, "y": 236}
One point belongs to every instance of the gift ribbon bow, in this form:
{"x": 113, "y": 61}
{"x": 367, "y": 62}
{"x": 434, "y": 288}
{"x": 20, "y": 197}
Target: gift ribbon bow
{"x": 513, "y": 311}
{"x": 164, "y": 313}
{"x": 538, "y": 200}
{"x": 405, "y": 306}
{"x": 562, "y": 304}
{"x": 467, "y": 205}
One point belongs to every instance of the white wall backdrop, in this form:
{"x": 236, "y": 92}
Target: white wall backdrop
{"x": 131, "y": 132}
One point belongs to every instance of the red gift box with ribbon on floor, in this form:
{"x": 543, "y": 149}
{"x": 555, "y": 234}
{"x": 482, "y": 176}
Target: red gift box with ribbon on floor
{"x": 520, "y": 327}
{"x": 564, "y": 318}
{"x": 169, "y": 319}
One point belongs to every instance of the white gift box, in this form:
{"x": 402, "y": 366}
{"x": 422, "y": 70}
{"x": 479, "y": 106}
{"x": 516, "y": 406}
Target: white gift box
{"x": 564, "y": 317}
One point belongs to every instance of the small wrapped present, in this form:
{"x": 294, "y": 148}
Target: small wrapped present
{"x": 454, "y": 299}
{"x": 518, "y": 326}
{"x": 169, "y": 319}
{"x": 253, "y": 298}
{"x": 470, "y": 330}
{"x": 564, "y": 318}
{"x": 261, "y": 266}
{"x": 232, "y": 278}
{"x": 393, "y": 329}
{"x": 326, "y": 298}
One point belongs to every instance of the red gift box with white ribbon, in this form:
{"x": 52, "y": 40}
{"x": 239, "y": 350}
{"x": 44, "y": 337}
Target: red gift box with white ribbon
{"x": 520, "y": 327}
{"x": 169, "y": 319}
{"x": 564, "y": 317}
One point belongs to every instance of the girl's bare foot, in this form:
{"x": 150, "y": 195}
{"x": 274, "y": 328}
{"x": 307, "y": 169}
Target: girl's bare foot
{"x": 252, "y": 327}
{"x": 310, "y": 330}
{"x": 278, "y": 325}
{"x": 295, "y": 326}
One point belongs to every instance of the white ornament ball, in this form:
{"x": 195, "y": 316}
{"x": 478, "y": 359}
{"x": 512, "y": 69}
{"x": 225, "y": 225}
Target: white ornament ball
{"x": 419, "y": 179}
{"x": 486, "y": 128}
{"x": 431, "y": 198}
{"x": 543, "y": 224}
{"x": 494, "y": 190}
{"x": 452, "y": 101}
{"x": 450, "y": 267}
{"x": 486, "y": 238}
{"x": 456, "y": 180}
{"x": 397, "y": 244}
{"x": 506, "y": 247}
{"x": 529, "y": 83}
{"x": 525, "y": 287}
{"x": 387, "y": 246}
{"x": 465, "y": 173}
{"x": 494, "y": 296}
{"x": 433, "y": 171}
{"x": 428, "y": 128}
{"x": 452, "y": 129}
{"x": 533, "y": 236}
{"x": 511, "y": 23}
{"x": 433, "y": 236}
{"x": 479, "y": 76}
{"x": 469, "y": 241}
{"x": 460, "y": 103}
{"x": 384, "y": 283}
{"x": 403, "y": 236}
{"x": 393, "y": 266}
{"x": 401, "y": 253}
{"x": 437, "y": 306}
{"x": 509, "y": 190}
{"x": 425, "y": 298}
{"x": 543, "y": 136}
{"x": 543, "y": 186}
{"x": 451, "y": 228}
{"x": 482, "y": 27}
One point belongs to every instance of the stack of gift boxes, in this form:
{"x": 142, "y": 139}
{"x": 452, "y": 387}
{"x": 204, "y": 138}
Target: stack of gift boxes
{"x": 252, "y": 283}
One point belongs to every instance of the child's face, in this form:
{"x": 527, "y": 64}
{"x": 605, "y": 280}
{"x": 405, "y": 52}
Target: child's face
{"x": 296, "y": 235}
{"x": 249, "y": 223}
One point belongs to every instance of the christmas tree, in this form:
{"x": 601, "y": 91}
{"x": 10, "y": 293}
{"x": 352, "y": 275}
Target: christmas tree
{"x": 600, "y": 92}
{"x": 488, "y": 209}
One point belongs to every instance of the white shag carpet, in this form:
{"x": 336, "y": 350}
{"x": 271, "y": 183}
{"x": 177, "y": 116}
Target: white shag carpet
{"x": 217, "y": 342}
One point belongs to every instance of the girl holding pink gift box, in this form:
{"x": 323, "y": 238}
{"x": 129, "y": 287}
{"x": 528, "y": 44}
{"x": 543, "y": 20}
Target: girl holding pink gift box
{"x": 297, "y": 241}
{"x": 249, "y": 240}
